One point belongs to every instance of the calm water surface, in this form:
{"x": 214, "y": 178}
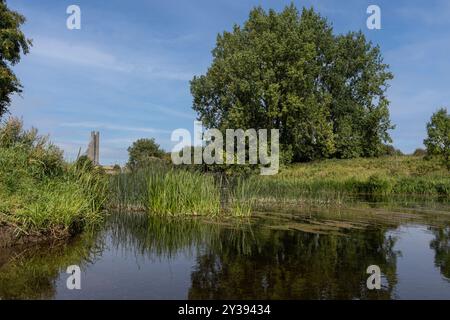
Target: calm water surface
{"x": 307, "y": 254}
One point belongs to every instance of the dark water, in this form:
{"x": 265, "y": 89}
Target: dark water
{"x": 308, "y": 255}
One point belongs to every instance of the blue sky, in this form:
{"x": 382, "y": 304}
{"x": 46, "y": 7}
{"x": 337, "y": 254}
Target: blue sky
{"x": 126, "y": 72}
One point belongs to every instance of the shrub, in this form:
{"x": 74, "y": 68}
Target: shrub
{"x": 419, "y": 152}
{"x": 375, "y": 184}
{"x": 44, "y": 158}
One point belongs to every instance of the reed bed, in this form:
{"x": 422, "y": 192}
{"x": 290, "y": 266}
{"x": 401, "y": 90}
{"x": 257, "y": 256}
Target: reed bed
{"x": 161, "y": 189}
{"x": 182, "y": 192}
{"x": 243, "y": 196}
{"x": 174, "y": 191}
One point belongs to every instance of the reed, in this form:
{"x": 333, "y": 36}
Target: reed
{"x": 174, "y": 191}
{"x": 243, "y": 196}
{"x": 160, "y": 189}
{"x": 182, "y": 192}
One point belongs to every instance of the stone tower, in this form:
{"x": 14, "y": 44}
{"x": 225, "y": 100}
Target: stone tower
{"x": 93, "y": 152}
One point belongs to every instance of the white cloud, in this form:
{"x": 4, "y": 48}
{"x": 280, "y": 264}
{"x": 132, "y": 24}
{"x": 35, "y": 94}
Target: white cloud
{"x": 89, "y": 55}
{"x": 170, "y": 74}
{"x": 79, "y": 54}
{"x": 423, "y": 51}
{"x": 173, "y": 112}
{"x": 110, "y": 126}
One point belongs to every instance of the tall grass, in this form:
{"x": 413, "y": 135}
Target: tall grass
{"x": 380, "y": 176}
{"x": 165, "y": 190}
{"x": 160, "y": 189}
{"x": 243, "y": 196}
{"x": 39, "y": 192}
{"x": 67, "y": 203}
{"x": 182, "y": 192}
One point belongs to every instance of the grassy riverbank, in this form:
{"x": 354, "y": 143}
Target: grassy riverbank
{"x": 390, "y": 175}
{"x": 41, "y": 194}
{"x": 44, "y": 196}
{"x": 167, "y": 190}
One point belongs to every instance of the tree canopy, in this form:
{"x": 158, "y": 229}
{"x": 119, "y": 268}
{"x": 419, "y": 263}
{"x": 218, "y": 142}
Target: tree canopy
{"x": 12, "y": 44}
{"x": 287, "y": 70}
{"x": 142, "y": 151}
{"x": 438, "y": 140}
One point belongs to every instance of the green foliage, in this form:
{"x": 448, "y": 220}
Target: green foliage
{"x": 375, "y": 184}
{"x": 324, "y": 92}
{"x": 419, "y": 152}
{"x": 144, "y": 151}
{"x": 173, "y": 191}
{"x": 160, "y": 189}
{"x": 85, "y": 163}
{"x": 43, "y": 157}
{"x": 438, "y": 140}
{"x": 243, "y": 198}
{"x": 40, "y": 192}
{"x": 12, "y": 44}
{"x": 163, "y": 189}
{"x": 182, "y": 192}
{"x": 31, "y": 272}
{"x": 389, "y": 150}
{"x": 393, "y": 175}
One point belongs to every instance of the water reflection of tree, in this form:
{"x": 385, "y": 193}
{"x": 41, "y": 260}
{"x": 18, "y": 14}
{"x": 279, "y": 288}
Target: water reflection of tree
{"x": 238, "y": 260}
{"x": 295, "y": 265}
{"x": 31, "y": 273}
{"x": 235, "y": 259}
{"x": 441, "y": 246}
{"x": 158, "y": 237}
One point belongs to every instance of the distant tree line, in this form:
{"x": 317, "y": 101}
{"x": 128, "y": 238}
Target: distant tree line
{"x": 145, "y": 151}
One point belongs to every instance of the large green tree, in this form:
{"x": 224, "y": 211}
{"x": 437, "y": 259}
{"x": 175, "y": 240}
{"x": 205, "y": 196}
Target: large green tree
{"x": 438, "y": 140}
{"x": 325, "y": 93}
{"x": 12, "y": 44}
{"x": 142, "y": 151}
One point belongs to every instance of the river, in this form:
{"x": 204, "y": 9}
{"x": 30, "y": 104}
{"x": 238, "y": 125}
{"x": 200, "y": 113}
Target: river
{"x": 296, "y": 253}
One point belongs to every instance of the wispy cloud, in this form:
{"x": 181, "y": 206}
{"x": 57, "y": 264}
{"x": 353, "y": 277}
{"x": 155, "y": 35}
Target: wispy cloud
{"x": 89, "y": 55}
{"x": 172, "y": 112}
{"x": 110, "y": 126}
{"x": 183, "y": 38}
{"x": 79, "y": 54}
{"x": 169, "y": 74}
{"x": 435, "y": 14}
{"x": 427, "y": 51}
